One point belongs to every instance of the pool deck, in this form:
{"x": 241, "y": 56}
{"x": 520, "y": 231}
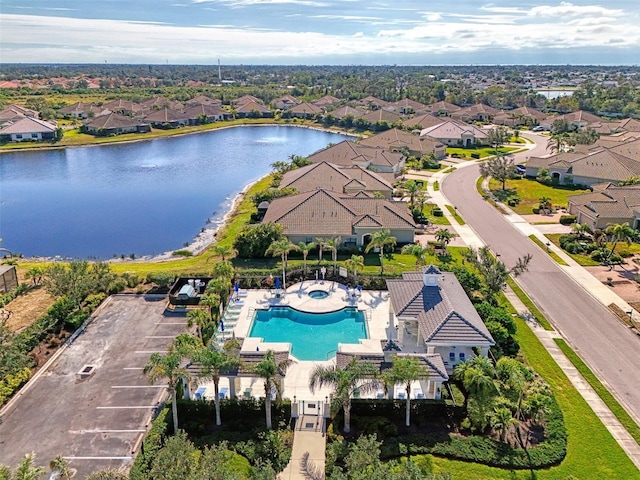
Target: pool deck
{"x": 374, "y": 304}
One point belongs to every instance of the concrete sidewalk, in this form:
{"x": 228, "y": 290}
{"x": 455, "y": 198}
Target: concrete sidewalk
{"x": 591, "y": 284}
{"x": 308, "y": 454}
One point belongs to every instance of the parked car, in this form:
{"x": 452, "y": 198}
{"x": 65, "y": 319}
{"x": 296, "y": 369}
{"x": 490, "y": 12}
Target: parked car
{"x": 537, "y": 129}
{"x": 521, "y": 169}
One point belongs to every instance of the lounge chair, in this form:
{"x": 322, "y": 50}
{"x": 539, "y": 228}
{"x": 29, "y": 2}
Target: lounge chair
{"x": 401, "y": 395}
{"x": 242, "y": 293}
{"x": 223, "y": 392}
{"x": 380, "y": 395}
{"x": 417, "y": 393}
{"x": 248, "y": 393}
{"x": 199, "y": 395}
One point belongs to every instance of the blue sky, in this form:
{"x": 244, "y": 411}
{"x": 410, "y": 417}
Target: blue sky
{"x": 403, "y": 32}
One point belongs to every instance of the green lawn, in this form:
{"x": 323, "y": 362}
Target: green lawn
{"x": 484, "y": 152}
{"x": 553, "y": 255}
{"x": 529, "y": 192}
{"x": 592, "y": 453}
{"x": 585, "y": 260}
{"x": 432, "y": 218}
{"x": 529, "y": 304}
{"x": 621, "y": 414}
{"x": 453, "y": 211}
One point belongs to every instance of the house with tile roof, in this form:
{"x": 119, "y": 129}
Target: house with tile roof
{"x": 159, "y": 103}
{"x": 83, "y": 110}
{"x": 342, "y": 112}
{"x": 520, "y": 116}
{"x": 115, "y": 124}
{"x": 381, "y": 116}
{"x": 580, "y": 119}
{"x": 441, "y": 109}
{"x": 323, "y": 213}
{"x": 28, "y": 129}
{"x": 243, "y": 100}
{"x": 167, "y": 118}
{"x": 455, "y": 134}
{"x": 599, "y": 165}
{"x": 126, "y": 107}
{"x": 399, "y": 140}
{"x": 423, "y": 121}
{"x": 326, "y": 102}
{"x": 13, "y": 113}
{"x": 435, "y": 316}
{"x": 252, "y": 110}
{"x": 406, "y": 106}
{"x": 204, "y": 100}
{"x": 346, "y": 154}
{"x": 608, "y": 204}
{"x": 345, "y": 179}
{"x": 304, "y": 110}
{"x": 371, "y": 103}
{"x": 209, "y": 113}
{"x": 285, "y": 102}
{"x": 478, "y": 113}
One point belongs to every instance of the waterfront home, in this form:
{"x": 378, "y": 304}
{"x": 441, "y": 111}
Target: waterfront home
{"x": 346, "y": 153}
{"x": 455, "y": 134}
{"x": 115, "y": 124}
{"x": 401, "y": 141}
{"x": 353, "y": 218}
{"x": 342, "y": 179}
{"x": 28, "y": 129}
{"x": 435, "y": 316}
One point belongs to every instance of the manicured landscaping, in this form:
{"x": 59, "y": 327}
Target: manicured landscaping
{"x": 621, "y": 414}
{"x": 481, "y": 152}
{"x": 530, "y": 192}
{"x": 453, "y": 211}
{"x": 553, "y": 255}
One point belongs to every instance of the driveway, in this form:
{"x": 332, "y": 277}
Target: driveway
{"x": 95, "y": 423}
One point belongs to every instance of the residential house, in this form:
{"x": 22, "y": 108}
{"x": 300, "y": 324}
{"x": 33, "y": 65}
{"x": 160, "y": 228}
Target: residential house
{"x": 580, "y": 119}
{"x": 28, "y": 129}
{"x": 519, "y": 117}
{"x": 478, "y": 113}
{"x": 435, "y": 316}
{"x": 126, "y": 107}
{"x": 285, "y": 102}
{"x": 406, "y": 107}
{"x": 204, "y": 100}
{"x": 580, "y": 168}
{"x": 353, "y": 218}
{"x": 202, "y": 113}
{"x": 115, "y": 124}
{"x": 13, "y": 113}
{"x": 423, "y": 121}
{"x": 346, "y": 153}
{"x": 342, "y": 179}
{"x": 326, "y": 102}
{"x": 346, "y": 111}
{"x": 83, "y": 110}
{"x": 159, "y": 103}
{"x": 399, "y": 140}
{"x": 370, "y": 103}
{"x": 243, "y": 100}
{"x": 252, "y": 109}
{"x": 455, "y": 134}
{"x": 305, "y": 110}
{"x": 167, "y": 118}
{"x": 442, "y": 109}
{"x": 381, "y": 118}
{"x": 608, "y": 204}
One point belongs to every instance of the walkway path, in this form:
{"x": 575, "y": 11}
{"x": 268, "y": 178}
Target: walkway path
{"x": 584, "y": 278}
{"x": 308, "y": 455}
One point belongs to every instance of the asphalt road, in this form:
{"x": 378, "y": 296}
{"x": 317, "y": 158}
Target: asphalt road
{"x": 609, "y": 348}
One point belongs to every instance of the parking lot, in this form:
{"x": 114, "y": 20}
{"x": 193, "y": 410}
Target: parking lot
{"x": 96, "y": 422}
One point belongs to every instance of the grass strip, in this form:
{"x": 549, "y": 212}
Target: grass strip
{"x": 553, "y": 255}
{"x": 453, "y": 211}
{"x": 529, "y": 304}
{"x": 621, "y": 414}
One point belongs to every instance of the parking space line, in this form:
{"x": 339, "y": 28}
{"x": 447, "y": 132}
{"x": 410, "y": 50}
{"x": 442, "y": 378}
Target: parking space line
{"x": 126, "y": 407}
{"x": 98, "y": 458}
{"x": 150, "y": 351}
{"x": 138, "y": 386}
{"x": 133, "y": 368}
{"x": 160, "y": 336}
{"x": 170, "y": 323}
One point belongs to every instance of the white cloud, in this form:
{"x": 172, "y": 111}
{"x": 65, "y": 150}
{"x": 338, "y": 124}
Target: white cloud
{"x": 247, "y": 3}
{"x": 566, "y": 9}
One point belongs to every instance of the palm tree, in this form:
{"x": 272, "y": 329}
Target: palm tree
{"x": 60, "y": 467}
{"x": 281, "y": 247}
{"x": 305, "y": 248}
{"x": 444, "y": 236}
{"x": 418, "y": 251}
{"x": 619, "y": 232}
{"x": 558, "y": 142}
{"x": 201, "y": 319}
{"x": 355, "y": 262}
{"x": 545, "y": 203}
{"x": 35, "y": 274}
{"x": 214, "y": 363}
{"x": 220, "y": 286}
{"x": 579, "y": 229}
{"x": 223, "y": 250}
{"x": 270, "y": 370}
{"x": 332, "y": 244}
{"x": 167, "y": 366}
{"x": 26, "y": 469}
{"x": 379, "y": 239}
{"x": 501, "y": 420}
{"x": 405, "y": 370}
{"x": 475, "y": 376}
{"x": 412, "y": 187}
{"x": 320, "y": 243}
{"x": 356, "y": 376}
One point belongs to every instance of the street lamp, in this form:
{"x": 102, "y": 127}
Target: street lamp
{"x": 630, "y": 313}
{"x": 548, "y": 245}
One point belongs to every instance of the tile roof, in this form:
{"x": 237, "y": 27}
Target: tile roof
{"x": 198, "y": 110}
{"x": 398, "y": 139}
{"x": 345, "y": 111}
{"x": 433, "y": 364}
{"x": 381, "y": 115}
{"x": 371, "y": 101}
{"x": 324, "y": 213}
{"x": 306, "y": 108}
{"x": 28, "y": 125}
{"x": 203, "y": 100}
{"x": 348, "y": 153}
{"x": 452, "y": 130}
{"x": 326, "y": 101}
{"x": 166, "y": 115}
{"x": 443, "y": 107}
{"x": 243, "y": 100}
{"x": 443, "y": 311}
{"x": 250, "y": 106}
{"x": 408, "y": 103}
{"x": 608, "y": 201}
{"x": 424, "y": 121}
{"x": 113, "y": 120}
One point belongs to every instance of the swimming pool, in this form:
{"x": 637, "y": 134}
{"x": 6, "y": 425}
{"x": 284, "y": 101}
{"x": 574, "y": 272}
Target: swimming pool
{"x": 313, "y": 336}
{"x": 318, "y": 294}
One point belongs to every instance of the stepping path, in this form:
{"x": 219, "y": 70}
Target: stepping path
{"x": 308, "y": 455}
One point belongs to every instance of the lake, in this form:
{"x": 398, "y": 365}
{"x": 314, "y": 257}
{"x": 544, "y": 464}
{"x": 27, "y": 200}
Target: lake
{"x": 143, "y": 198}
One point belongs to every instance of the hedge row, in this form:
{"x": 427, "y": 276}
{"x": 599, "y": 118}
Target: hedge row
{"x": 479, "y": 449}
{"x": 9, "y": 296}
{"x": 153, "y": 441}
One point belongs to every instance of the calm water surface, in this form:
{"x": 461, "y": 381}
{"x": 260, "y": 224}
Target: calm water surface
{"x": 144, "y": 198}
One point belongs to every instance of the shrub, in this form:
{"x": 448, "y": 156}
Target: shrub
{"x": 161, "y": 279}
{"x": 183, "y": 253}
{"x": 536, "y": 210}
{"x": 597, "y": 255}
{"x": 437, "y": 212}
{"x": 625, "y": 254}
{"x": 12, "y": 382}
{"x": 475, "y": 155}
{"x": 567, "y": 219}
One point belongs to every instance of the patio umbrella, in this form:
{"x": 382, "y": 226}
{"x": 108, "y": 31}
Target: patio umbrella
{"x": 222, "y": 325}
{"x": 236, "y": 287}
{"x": 277, "y": 282}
